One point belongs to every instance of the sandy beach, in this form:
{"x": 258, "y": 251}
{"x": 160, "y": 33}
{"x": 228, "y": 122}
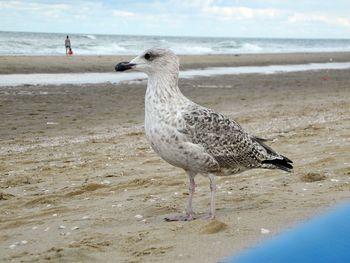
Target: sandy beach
{"x": 80, "y": 183}
{"x": 74, "y": 64}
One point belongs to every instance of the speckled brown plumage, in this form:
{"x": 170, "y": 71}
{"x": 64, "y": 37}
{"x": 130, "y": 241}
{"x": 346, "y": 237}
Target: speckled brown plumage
{"x": 225, "y": 140}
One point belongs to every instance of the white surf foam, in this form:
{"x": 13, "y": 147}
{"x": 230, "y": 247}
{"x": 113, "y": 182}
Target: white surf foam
{"x": 90, "y": 36}
{"x": 51, "y": 44}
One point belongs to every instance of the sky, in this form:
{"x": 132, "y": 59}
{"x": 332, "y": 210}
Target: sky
{"x": 213, "y": 18}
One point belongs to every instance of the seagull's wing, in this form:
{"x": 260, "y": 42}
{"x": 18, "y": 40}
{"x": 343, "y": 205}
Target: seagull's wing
{"x": 228, "y": 143}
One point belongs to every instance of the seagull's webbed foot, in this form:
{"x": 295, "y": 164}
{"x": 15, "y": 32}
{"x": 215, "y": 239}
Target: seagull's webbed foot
{"x": 186, "y": 217}
{"x": 208, "y": 216}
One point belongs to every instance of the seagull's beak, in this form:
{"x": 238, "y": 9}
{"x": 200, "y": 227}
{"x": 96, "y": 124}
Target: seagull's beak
{"x": 122, "y": 66}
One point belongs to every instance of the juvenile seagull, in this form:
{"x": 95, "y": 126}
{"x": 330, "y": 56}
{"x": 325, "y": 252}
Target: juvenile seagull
{"x": 192, "y": 137}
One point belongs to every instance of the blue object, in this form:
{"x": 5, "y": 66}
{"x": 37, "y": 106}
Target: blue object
{"x": 325, "y": 239}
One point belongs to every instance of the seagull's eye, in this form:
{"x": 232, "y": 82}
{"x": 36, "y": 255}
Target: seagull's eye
{"x": 147, "y": 56}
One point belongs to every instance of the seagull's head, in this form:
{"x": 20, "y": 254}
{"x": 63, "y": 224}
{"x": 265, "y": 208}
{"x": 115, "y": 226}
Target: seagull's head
{"x": 152, "y": 61}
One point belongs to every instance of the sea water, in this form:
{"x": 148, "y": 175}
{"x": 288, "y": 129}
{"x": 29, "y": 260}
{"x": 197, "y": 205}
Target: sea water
{"x": 26, "y": 43}
{"x": 11, "y": 80}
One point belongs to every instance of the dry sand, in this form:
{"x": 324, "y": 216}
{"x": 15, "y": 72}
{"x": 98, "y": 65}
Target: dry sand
{"x": 79, "y": 182}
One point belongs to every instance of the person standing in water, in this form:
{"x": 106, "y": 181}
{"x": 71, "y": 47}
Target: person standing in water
{"x": 67, "y": 44}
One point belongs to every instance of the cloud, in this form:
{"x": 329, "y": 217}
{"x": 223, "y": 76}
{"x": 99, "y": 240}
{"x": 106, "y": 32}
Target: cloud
{"x": 32, "y": 6}
{"x": 319, "y": 18}
{"x": 122, "y": 13}
{"x": 215, "y": 9}
{"x": 231, "y": 12}
{"x": 239, "y": 13}
{"x": 52, "y": 10}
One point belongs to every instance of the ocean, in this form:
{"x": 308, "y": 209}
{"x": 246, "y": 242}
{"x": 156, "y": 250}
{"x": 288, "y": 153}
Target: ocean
{"x": 32, "y": 44}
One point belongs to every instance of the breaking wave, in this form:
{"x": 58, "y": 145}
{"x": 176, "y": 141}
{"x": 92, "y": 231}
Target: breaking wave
{"x": 19, "y": 43}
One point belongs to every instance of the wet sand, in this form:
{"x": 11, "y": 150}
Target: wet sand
{"x": 67, "y": 64}
{"x": 80, "y": 183}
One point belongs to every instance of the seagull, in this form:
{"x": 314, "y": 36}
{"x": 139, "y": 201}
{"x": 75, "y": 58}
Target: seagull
{"x": 192, "y": 137}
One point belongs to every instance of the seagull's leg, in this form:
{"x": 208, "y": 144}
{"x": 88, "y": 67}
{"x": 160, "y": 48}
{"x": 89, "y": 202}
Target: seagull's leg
{"x": 191, "y": 189}
{"x": 189, "y": 212}
{"x": 212, "y": 179}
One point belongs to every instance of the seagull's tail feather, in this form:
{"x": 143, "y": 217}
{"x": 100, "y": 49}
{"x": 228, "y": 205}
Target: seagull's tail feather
{"x": 283, "y": 164}
{"x": 280, "y": 161}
